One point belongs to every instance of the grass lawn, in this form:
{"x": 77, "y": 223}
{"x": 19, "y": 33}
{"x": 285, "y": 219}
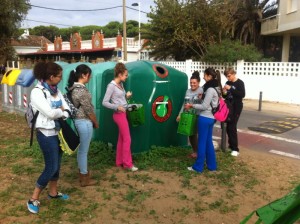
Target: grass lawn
{"x": 162, "y": 191}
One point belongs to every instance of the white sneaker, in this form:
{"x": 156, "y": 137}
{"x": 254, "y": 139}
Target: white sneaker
{"x": 235, "y": 153}
{"x": 190, "y": 168}
{"x": 133, "y": 169}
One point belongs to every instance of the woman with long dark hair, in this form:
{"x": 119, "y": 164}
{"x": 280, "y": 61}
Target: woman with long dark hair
{"x": 206, "y": 151}
{"x": 85, "y": 118}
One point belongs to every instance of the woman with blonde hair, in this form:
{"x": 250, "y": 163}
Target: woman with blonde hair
{"x": 234, "y": 92}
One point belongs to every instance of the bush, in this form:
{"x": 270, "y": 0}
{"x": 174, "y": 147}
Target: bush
{"x": 231, "y": 51}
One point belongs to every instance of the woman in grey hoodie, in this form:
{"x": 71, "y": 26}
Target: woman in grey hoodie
{"x": 206, "y": 122}
{"x": 192, "y": 95}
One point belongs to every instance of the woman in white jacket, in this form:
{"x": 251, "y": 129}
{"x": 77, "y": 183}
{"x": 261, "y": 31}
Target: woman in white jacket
{"x": 48, "y": 100}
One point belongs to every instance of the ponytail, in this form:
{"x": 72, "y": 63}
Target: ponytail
{"x": 72, "y": 78}
{"x": 78, "y": 73}
{"x": 218, "y": 77}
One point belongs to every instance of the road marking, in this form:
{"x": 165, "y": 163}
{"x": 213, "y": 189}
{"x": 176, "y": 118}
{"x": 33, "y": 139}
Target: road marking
{"x": 285, "y": 154}
{"x": 265, "y": 135}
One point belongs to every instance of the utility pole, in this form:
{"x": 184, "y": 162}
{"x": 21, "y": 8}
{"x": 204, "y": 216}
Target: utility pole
{"x": 139, "y": 5}
{"x": 124, "y": 32}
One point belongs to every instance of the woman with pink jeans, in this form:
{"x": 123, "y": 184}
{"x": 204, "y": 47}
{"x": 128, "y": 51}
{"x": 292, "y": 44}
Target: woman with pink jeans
{"x": 115, "y": 99}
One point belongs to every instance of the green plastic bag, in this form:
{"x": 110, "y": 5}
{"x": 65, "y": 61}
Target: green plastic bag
{"x": 136, "y": 116}
{"x": 187, "y": 124}
{"x": 285, "y": 210}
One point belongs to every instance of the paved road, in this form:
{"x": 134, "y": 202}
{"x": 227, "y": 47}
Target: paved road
{"x": 285, "y": 144}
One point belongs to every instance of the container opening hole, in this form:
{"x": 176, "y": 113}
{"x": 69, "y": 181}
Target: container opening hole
{"x": 161, "y": 70}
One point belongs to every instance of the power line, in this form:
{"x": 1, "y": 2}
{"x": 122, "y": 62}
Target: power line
{"x": 48, "y": 22}
{"x": 82, "y": 10}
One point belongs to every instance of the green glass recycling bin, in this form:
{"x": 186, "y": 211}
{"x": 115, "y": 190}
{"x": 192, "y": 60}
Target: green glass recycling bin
{"x": 95, "y": 86}
{"x": 161, "y": 90}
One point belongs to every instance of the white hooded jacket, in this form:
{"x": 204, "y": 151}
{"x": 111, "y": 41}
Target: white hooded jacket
{"x": 47, "y": 115}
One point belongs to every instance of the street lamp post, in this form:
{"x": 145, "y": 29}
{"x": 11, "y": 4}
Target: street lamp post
{"x": 139, "y": 45}
{"x": 124, "y": 32}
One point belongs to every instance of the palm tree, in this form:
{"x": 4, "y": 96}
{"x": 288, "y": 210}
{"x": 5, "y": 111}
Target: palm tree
{"x": 245, "y": 18}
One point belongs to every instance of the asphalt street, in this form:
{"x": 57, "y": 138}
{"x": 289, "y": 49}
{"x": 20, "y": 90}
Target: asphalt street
{"x": 286, "y": 143}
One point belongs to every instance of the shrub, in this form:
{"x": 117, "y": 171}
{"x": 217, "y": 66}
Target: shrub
{"x": 231, "y": 51}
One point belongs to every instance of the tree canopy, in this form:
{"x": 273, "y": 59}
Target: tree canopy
{"x": 12, "y": 13}
{"x": 184, "y": 29}
{"x": 110, "y": 30}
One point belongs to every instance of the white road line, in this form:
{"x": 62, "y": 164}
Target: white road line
{"x": 265, "y": 135}
{"x": 285, "y": 154}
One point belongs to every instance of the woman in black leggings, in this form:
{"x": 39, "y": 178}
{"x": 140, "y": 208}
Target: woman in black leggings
{"x": 234, "y": 92}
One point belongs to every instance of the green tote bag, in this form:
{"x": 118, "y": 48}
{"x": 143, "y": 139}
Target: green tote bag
{"x": 136, "y": 115}
{"x": 187, "y": 124}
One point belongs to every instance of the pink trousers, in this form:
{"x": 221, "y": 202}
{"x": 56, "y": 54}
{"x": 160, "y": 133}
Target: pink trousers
{"x": 123, "y": 154}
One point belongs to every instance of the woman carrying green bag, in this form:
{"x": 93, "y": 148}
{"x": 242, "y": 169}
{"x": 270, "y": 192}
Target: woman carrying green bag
{"x": 193, "y": 94}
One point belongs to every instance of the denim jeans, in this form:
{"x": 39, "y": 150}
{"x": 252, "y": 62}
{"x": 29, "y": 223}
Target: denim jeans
{"x": 85, "y": 131}
{"x": 52, "y": 156}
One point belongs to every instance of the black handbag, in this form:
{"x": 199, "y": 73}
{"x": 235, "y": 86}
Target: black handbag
{"x": 69, "y": 139}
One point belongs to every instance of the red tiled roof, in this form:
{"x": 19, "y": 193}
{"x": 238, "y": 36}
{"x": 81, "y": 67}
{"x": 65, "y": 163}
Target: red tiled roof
{"x": 30, "y": 40}
{"x": 69, "y": 51}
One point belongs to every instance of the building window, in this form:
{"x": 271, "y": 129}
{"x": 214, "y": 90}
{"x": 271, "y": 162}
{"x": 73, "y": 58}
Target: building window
{"x": 294, "y": 49}
{"x": 292, "y": 6}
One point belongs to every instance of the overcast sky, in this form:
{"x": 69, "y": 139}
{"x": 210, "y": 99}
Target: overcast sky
{"x": 71, "y": 18}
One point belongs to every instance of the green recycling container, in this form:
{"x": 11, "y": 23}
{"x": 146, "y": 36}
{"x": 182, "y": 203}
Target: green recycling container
{"x": 95, "y": 86}
{"x": 161, "y": 90}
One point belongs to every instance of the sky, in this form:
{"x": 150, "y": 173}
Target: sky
{"x": 65, "y": 19}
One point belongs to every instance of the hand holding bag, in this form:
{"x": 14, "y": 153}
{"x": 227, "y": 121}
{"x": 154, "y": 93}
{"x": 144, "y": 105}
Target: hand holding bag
{"x": 136, "y": 114}
{"x": 187, "y": 124}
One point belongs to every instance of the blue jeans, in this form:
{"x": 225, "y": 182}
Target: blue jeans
{"x": 52, "y": 156}
{"x": 85, "y": 131}
{"x": 206, "y": 149}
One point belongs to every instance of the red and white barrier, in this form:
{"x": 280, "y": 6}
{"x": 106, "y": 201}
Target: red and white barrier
{"x": 10, "y": 97}
{"x": 25, "y": 100}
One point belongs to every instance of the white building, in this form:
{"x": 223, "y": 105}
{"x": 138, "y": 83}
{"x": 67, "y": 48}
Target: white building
{"x": 285, "y": 24}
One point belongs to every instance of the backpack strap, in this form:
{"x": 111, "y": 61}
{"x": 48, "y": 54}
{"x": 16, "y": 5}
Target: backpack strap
{"x": 34, "y": 119}
{"x": 218, "y": 98}
{"x": 69, "y": 96}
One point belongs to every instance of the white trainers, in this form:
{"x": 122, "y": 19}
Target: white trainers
{"x": 235, "y": 153}
{"x": 133, "y": 169}
{"x": 190, "y": 168}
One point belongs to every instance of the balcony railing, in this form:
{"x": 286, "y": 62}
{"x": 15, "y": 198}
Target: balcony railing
{"x": 269, "y": 25}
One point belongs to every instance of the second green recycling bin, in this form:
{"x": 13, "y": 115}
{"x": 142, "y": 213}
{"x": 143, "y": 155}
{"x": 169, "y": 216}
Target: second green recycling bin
{"x": 161, "y": 90}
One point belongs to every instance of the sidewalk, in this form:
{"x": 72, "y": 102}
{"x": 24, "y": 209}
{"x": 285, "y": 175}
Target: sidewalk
{"x": 272, "y": 107}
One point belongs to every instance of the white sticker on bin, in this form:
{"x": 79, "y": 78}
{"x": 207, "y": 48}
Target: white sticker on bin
{"x": 161, "y": 102}
{"x": 157, "y": 81}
